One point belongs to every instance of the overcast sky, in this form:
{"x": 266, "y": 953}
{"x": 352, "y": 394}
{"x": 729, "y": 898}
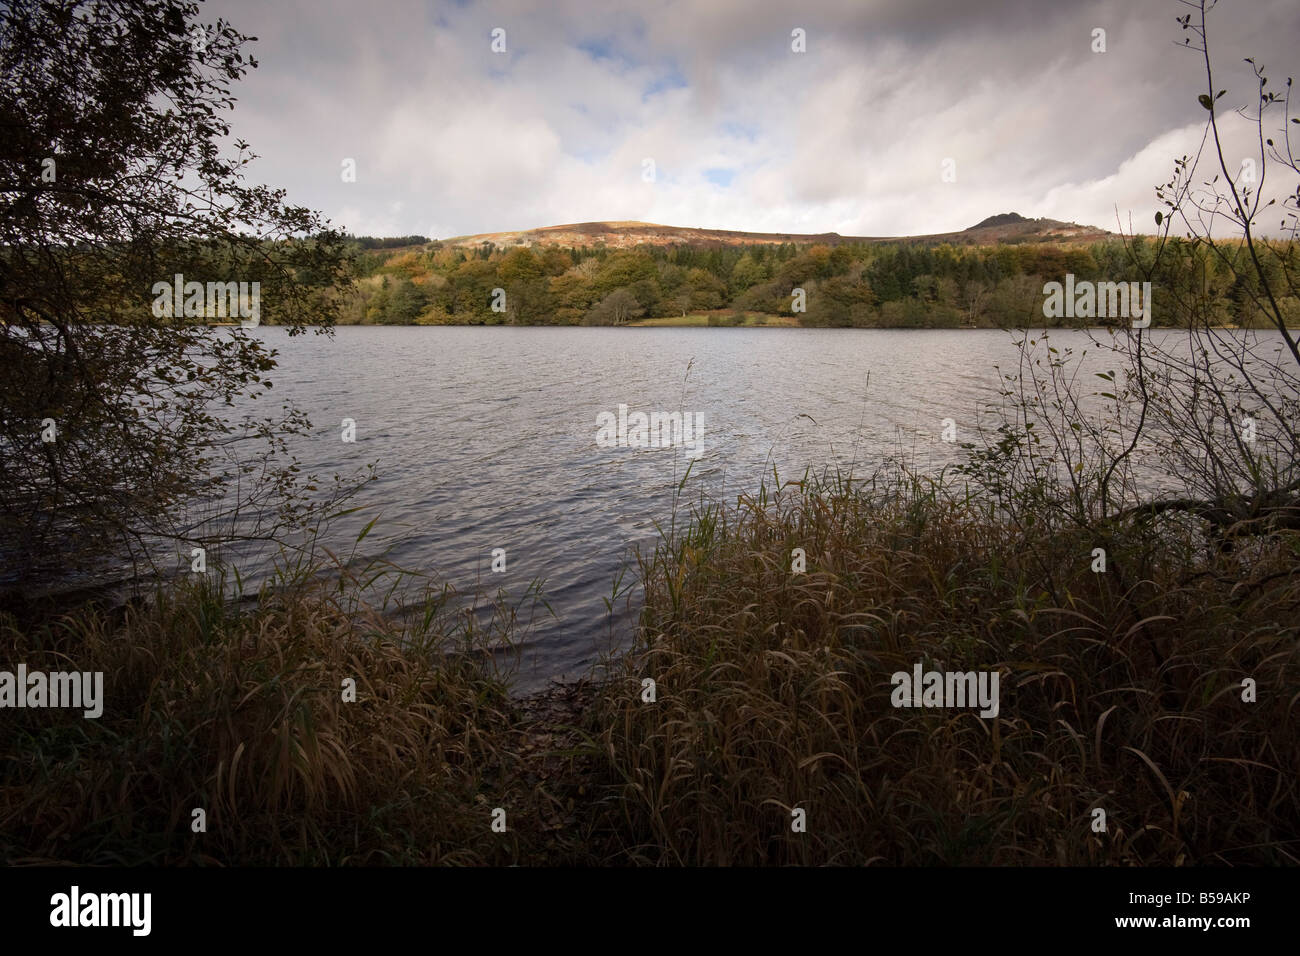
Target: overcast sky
{"x": 450, "y": 138}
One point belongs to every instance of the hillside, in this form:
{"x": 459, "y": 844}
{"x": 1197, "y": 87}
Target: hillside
{"x": 993, "y": 273}
{"x": 1004, "y": 228}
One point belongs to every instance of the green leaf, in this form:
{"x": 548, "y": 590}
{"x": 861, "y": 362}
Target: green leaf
{"x": 1204, "y": 100}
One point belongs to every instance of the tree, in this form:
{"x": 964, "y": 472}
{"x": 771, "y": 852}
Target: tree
{"x": 838, "y": 301}
{"x": 1018, "y": 300}
{"x": 405, "y": 303}
{"x": 572, "y": 294}
{"x": 975, "y": 297}
{"x": 707, "y": 291}
{"x": 681, "y": 300}
{"x": 527, "y": 288}
{"x": 113, "y": 180}
{"x": 1208, "y": 417}
{"x": 1229, "y": 385}
{"x": 377, "y": 305}
{"x": 746, "y": 273}
{"x": 470, "y": 290}
{"x": 615, "y": 309}
{"x": 624, "y": 268}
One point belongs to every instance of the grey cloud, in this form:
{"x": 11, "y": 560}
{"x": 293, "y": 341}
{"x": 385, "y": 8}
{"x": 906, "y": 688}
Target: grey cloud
{"x": 849, "y": 136}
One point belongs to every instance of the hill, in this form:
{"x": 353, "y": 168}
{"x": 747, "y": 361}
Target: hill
{"x": 993, "y": 273}
{"x": 1005, "y": 228}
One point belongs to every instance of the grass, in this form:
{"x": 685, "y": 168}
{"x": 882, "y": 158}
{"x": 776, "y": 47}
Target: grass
{"x": 239, "y": 711}
{"x": 1120, "y": 691}
{"x": 701, "y": 319}
{"x": 774, "y": 693}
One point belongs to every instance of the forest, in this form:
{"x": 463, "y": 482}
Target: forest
{"x": 876, "y": 285}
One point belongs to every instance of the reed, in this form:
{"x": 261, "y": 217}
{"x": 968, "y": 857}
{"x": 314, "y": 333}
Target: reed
{"x": 1120, "y": 690}
{"x": 237, "y": 708}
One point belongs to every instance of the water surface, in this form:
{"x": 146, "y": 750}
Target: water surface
{"x": 486, "y": 438}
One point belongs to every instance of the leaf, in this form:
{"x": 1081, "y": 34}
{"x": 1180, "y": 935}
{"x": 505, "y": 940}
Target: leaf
{"x": 1100, "y": 721}
{"x": 1159, "y": 217}
{"x": 1148, "y": 761}
{"x": 366, "y": 530}
{"x": 1204, "y": 100}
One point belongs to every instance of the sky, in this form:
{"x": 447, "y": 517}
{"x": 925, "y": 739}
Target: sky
{"x": 897, "y": 118}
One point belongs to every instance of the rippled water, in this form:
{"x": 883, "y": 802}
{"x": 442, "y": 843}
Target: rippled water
{"x": 486, "y": 438}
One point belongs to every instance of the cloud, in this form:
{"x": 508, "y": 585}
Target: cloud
{"x": 451, "y": 138}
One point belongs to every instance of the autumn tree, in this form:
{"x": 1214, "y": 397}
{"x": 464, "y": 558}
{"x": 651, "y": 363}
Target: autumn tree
{"x": 115, "y": 177}
{"x": 617, "y": 308}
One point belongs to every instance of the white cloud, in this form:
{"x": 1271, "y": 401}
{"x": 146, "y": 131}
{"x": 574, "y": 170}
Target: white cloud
{"x": 452, "y": 139}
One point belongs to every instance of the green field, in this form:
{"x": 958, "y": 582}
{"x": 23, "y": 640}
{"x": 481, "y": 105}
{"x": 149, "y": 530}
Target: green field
{"x": 720, "y": 317}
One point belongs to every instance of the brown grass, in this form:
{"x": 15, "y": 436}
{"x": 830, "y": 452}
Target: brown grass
{"x": 1119, "y": 691}
{"x": 241, "y": 713}
{"x": 774, "y": 693}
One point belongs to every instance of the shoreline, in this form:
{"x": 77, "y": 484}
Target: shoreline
{"x": 792, "y": 326}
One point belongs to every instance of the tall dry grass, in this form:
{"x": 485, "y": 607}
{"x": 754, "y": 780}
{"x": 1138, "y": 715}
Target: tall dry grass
{"x": 1119, "y": 690}
{"x": 238, "y": 709}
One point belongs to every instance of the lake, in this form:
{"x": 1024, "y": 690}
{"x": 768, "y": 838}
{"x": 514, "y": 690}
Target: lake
{"x": 486, "y": 438}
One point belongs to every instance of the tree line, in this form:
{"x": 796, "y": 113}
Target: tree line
{"x": 878, "y": 285}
